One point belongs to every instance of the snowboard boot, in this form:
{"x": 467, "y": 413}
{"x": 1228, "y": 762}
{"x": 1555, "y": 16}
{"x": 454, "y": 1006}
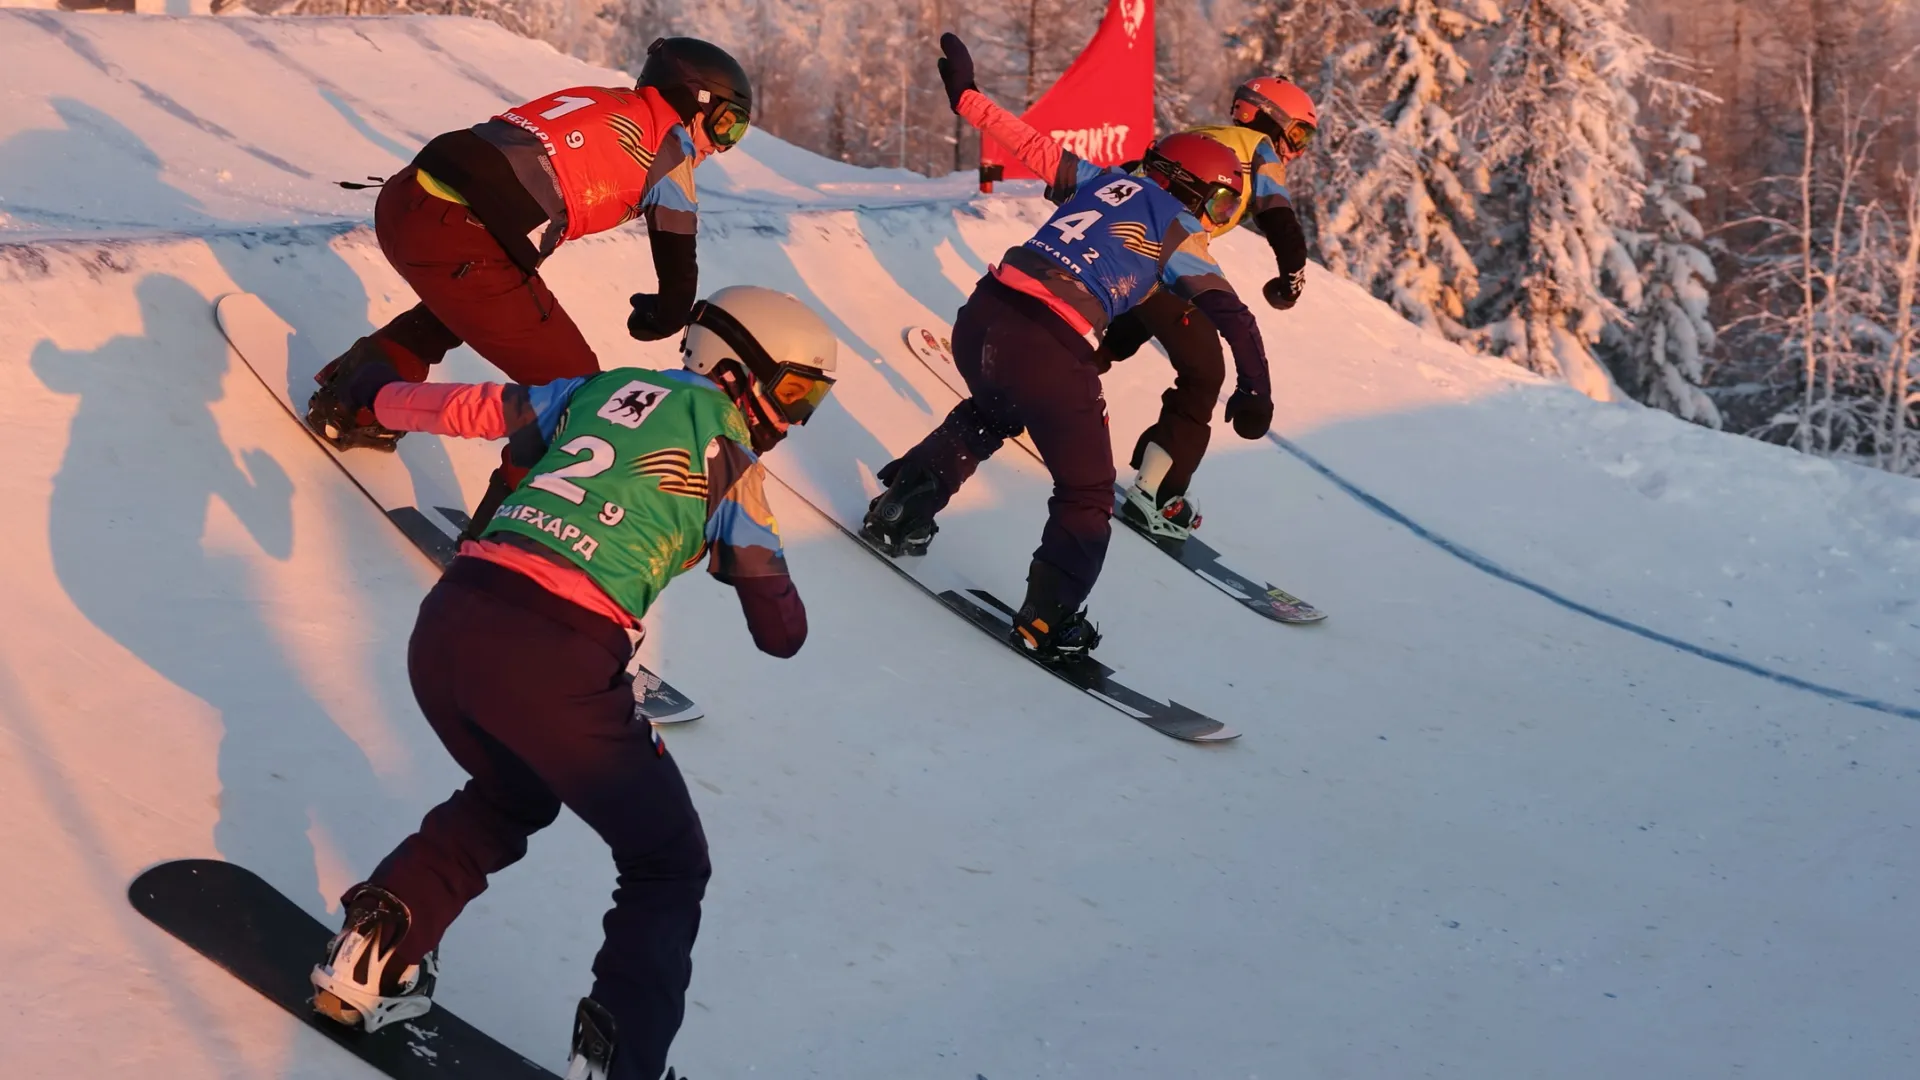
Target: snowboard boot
{"x": 329, "y": 417}
{"x": 354, "y": 985}
{"x": 899, "y": 520}
{"x": 593, "y": 1033}
{"x": 1173, "y": 520}
{"x": 1046, "y": 629}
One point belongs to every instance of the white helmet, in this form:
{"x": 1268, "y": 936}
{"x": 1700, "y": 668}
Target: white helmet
{"x": 783, "y": 356}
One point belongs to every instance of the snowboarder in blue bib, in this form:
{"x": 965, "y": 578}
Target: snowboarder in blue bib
{"x": 634, "y": 477}
{"x": 1024, "y": 342}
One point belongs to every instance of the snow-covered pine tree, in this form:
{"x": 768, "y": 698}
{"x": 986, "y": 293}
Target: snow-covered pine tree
{"x": 1559, "y": 123}
{"x": 1193, "y": 76}
{"x": 1303, "y": 40}
{"x": 1396, "y": 226}
{"x": 1672, "y": 332}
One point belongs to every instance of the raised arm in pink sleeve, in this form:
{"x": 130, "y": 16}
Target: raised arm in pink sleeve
{"x": 1037, "y": 152}
{"x": 466, "y": 410}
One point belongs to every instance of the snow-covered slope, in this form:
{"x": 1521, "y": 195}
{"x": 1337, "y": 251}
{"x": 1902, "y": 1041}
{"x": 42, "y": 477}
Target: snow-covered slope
{"x": 1470, "y": 831}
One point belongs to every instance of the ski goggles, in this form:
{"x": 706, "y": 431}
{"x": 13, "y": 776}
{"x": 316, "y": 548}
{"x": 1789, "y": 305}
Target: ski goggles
{"x": 798, "y": 391}
{"x": 794, "y": 390}
{"x": 1260, "y": 113}
{"x": 727, "y": 124}
{"x": 1297, "y": 134}
{"x": 1221, "y": 203}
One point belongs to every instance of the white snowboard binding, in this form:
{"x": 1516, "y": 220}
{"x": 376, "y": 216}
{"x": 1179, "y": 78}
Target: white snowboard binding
{"x": 353, "y": 986}
{"x": 1174, "y": 519}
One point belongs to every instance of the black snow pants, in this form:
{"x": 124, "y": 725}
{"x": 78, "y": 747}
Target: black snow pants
{"x": 1029, "y": 371}
{"x": 1199, "y": 371}
{"x": 525, "y": 691}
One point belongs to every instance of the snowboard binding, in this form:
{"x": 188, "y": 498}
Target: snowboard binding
{"x": 899, "y": 520}
{"x": 1055, "y": 641}
{"x": 329, "y": 416}
{"x": 1169, "y": 522}
{"x": 593, "y": 1042}
{"x": 354, "y": 986}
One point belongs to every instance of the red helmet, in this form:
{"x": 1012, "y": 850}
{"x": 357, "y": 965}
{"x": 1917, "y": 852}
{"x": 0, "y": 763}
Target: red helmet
{"x": 1277, "y": 108}
{"x": 1205, "y": 175}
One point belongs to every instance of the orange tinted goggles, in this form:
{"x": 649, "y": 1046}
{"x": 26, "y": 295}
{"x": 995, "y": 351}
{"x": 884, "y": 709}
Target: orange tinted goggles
{"x": 798, "y": 391}
{"x": 727, "y": 124}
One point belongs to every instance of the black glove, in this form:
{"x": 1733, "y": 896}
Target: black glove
{"x": 363, "y": 384}
{"x": 1250, "y": 414}
{"x": 1283, "y": 292}
{"x": 648, "y": 323}
{"x": 1103, "y": 359}
{"x": 956, "y": 69}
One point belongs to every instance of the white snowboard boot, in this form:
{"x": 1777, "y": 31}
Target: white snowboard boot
{"x": 1176, "y": 518}
{"x": 354, "y": 986}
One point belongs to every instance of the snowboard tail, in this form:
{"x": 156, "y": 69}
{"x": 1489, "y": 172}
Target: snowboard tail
{"x": 1199, "y": 557}
{"x": 234, "y": 918}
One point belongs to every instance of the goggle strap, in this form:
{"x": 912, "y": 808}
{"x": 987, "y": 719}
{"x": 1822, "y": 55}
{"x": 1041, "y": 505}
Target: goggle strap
{"x": 761, "y": 368}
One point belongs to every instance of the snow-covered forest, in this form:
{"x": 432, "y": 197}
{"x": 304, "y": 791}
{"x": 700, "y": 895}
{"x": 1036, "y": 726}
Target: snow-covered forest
{"x": 1712, "y": 207}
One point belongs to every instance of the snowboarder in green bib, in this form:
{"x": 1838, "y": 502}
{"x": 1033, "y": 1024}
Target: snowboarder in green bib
{"x": 517, "y": 660}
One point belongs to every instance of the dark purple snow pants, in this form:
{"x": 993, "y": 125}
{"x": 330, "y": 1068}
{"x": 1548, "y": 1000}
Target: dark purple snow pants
{"x": 1028, "y": 370}
{"x": 525, "y": 691}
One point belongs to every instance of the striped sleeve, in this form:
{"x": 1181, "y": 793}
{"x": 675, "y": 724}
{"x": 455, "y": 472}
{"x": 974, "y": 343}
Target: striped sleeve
{"x": 1269, "y": 182}
{"x": 1189, "y": 268}
{"x": 669, "y": 202}
{"x": 743, "y": 539}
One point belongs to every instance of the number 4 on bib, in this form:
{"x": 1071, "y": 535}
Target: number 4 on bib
{"x": 1073, "y": 227}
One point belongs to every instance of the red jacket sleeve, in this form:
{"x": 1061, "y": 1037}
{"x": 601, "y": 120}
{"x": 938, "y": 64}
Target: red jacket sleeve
{"x": 1037, "y": 152}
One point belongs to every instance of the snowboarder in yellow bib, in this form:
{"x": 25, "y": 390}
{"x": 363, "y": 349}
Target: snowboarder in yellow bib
{"x": 1273, "y": 123}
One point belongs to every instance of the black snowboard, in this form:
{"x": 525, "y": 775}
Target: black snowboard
{"x": 1195, "y": 554}
{"x": 229, "y": 915}
{"x": 1089, "y": 675}
{"x": 985, "y": 611}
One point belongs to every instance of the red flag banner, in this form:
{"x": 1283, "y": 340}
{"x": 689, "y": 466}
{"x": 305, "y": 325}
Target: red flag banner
{"x": 1102, "y": 107}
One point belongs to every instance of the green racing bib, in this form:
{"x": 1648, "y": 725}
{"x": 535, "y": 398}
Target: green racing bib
{"x": 622, "y": 489}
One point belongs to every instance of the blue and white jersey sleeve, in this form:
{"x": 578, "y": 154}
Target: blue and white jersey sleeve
{"x": 1189, "y": 268}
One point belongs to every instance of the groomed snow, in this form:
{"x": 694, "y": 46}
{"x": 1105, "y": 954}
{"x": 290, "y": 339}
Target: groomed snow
{"x": 1469, "y": 832}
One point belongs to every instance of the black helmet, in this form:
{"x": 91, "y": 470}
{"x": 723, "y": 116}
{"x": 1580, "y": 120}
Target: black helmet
{"x": 696, "y": 76}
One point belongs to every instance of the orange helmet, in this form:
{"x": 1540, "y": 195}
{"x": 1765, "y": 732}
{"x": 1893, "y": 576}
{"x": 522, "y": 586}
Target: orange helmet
{"x": 1200, "y": 172}
{"x": 1276, "y": 107}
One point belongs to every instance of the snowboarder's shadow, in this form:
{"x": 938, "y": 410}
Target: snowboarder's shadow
{"x": 59, "y": 178}
{"x": 130, "y": 508}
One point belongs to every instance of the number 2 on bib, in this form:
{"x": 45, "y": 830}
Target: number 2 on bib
{"x": 600, "y": 458}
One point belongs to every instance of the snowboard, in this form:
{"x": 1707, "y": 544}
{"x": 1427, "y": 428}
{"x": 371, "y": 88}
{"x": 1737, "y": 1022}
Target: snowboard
{"x": 232, "y": 917}
{"x": 417, "y": 487}
{"x": 1087, "y": 674}
{"x": 1196, "y": 555}
{"x": 935, "y": 350}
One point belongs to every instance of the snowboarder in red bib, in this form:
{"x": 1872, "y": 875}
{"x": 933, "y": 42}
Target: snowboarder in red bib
{"x": 1273, "y": 123}
{"x": 518, "y": 656}
{"x": 470, "y": 221}
{"x": 1024, "y": 343}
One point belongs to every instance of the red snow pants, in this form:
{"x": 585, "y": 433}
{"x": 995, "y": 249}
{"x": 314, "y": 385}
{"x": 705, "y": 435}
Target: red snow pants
{"x": 469, "y": 291}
